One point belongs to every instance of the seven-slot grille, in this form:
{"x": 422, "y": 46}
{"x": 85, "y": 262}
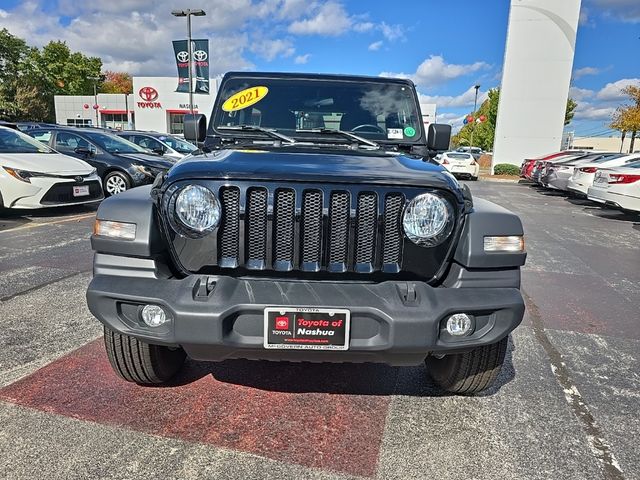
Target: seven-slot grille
{"x": 310, "y": 229}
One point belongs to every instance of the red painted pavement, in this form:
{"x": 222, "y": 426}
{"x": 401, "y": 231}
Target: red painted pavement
{"x": 326, "y": 416}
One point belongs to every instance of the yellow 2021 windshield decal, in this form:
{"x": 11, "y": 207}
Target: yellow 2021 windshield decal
{"x": 244, "y": 98}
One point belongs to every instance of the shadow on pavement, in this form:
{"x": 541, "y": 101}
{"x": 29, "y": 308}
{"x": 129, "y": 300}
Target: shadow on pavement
{"x": 333, "y": 378}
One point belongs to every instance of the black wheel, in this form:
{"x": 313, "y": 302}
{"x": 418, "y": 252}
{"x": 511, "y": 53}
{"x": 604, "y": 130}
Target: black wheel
{"x": 140, "y": 362}
{"x": 469, "y": 372}
{"x": 474, "y": 179}
{"x": 116, "y": 182}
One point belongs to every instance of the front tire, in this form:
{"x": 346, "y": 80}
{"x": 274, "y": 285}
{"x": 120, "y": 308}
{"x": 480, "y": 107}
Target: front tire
{"x": 116, "y": 182}
{"x": 140, "y": 362}
{"x": 469, "y": 372}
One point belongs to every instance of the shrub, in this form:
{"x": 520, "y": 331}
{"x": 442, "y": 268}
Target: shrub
{"x": 506, "y": 169}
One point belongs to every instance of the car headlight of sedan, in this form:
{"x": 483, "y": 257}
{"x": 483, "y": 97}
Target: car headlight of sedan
{"x": 143, "y": 170}
{"x": 22, "y": 175}
{"x": 196, "y": 210}
{"x": 428, "y": 220}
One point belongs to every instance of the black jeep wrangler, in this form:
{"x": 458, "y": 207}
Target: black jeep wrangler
{"x": 310, "y": 226}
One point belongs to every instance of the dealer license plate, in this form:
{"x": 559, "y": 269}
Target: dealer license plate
{"x": 306, "y": 328}
{"x": 601, "y": 179}
{"x": 80, "y": 191}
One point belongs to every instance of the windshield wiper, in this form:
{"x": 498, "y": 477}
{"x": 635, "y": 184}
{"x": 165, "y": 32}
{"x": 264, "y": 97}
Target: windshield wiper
{"x": 349, "y": 135}
{"x": 271, "y": 132}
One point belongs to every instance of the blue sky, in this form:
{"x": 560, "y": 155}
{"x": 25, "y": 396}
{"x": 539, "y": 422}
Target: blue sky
{"x": 446, "y": 47}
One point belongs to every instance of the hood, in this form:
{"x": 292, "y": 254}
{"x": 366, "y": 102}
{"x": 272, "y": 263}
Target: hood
{"x": 365, "y": 167}
{"x": 54, "y": 163}
{"x": 154, "y": 161}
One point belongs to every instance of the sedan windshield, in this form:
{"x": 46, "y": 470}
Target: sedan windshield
{"x": 114, "y": 144}
{"x": 13, "y": 141}
{"x": 178, "y": 145}
{"x": 376, "y": 110}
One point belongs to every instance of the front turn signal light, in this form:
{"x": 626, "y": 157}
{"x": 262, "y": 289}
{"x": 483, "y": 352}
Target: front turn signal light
{"x": 508, "y": 243}
{"x": 119, "y": 230}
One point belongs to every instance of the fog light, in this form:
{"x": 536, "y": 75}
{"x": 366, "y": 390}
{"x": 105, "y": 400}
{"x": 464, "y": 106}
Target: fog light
{"x": 459, "y": 324}
{"x": 508, "y": 243}
{"x": 154, "y": 316}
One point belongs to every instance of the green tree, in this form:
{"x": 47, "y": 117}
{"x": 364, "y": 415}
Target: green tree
{"x": 570, "y": 111}
{"x": 484, "y": 132}
{"x": 13, "y": 52}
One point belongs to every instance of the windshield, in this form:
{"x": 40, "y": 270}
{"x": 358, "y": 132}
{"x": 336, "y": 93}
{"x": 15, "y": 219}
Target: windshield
{"x": 378, "y": 111}
{"x": 13, "y": 141}
{"x": 114, "y": 144}
{"x": 178, "y": 145}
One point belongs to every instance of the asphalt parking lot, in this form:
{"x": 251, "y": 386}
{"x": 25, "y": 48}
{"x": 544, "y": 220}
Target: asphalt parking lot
{"x": 565, "y": 407}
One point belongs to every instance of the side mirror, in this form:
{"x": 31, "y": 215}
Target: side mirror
{"x": 87, "y": 152}
{"x": 438, "y": 138}
{"x": 195, "y": 127}
{"x": 158, "y": 151}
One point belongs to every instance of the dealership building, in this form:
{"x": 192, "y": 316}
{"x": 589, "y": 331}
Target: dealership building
{"x": 154, "y": 105}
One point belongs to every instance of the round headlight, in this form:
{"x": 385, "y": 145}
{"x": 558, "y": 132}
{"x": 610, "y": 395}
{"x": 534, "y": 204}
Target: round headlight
{"x": 428, "y": 220}
{"x": 197, "y": 209}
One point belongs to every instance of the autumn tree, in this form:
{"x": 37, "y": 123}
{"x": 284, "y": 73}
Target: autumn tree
{"x": 627, "y": 117}
{"x": 117, "y": 82}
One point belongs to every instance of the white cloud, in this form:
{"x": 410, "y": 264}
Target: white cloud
{"x": 581, "y": 72}
{"x": 391, "y": 32}
{"x": 579, "y": 94}
{"x": 375, "y": 46}
{"x": 328, "y": 19}
{"x": 270, "y": 49}
{"x": 302, "y": 59}
{"x": 465, "y": 99}
{"x": 363, "y": 27}
{"x": 434, "y": 70}
{"x": 613, "y": 90}
{"x": 624, "y": 10}
{"x": 588, "y": 111}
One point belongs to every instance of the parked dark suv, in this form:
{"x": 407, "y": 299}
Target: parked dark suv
{"x": 120, "y": 164}
{"x": 312, "y": 226}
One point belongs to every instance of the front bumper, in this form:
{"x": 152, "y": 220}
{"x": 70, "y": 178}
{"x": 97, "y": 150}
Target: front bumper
{"x": 392, "y": 322}
{"x": 44, "y": 192}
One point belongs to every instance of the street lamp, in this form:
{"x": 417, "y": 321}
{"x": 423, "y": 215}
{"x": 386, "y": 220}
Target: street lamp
{"x": 188, "y": 13}
{"x": 95, "y": 95}
{"x": 475, "y": 105}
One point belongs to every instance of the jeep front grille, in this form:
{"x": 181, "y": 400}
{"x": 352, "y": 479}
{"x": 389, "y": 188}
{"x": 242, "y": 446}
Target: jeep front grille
{"x": 310, "y": 229}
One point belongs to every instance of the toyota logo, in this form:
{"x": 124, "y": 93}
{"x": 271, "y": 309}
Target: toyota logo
{"x": 182, "y": 56}
{"x": 79, "y": 179}
{"x": 148, "y": 94}
{"x": 200, "y": 55}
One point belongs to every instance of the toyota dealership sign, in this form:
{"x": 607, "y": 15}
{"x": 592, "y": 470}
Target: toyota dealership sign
{"x": 149, "y": 95}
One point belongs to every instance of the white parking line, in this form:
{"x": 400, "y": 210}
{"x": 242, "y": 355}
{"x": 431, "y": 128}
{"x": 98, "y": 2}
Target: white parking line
{"x": 35, "y": 225}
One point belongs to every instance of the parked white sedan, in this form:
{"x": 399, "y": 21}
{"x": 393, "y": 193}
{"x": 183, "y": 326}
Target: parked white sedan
{"x": 617, "y": 187}
{"x": 32, "y": 175}
{"x": 583, "y": 175}
{"x": 460, "y": 164}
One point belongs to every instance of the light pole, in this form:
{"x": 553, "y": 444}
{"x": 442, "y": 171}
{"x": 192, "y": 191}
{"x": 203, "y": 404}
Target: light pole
{"x": 188, "y": 13}
{"x": 473, "y": 125}
{"x": 95, "y": 97}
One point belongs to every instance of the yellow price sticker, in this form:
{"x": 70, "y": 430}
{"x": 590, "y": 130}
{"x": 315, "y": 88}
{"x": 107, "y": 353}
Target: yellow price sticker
{"x": 244, "y": 98}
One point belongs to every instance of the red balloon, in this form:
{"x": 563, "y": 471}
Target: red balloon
{"x": 470, "y": 118}
{"x": 86, "y": 106}
{"x": 482, "y": 118}
{"x": 95, "y": 107}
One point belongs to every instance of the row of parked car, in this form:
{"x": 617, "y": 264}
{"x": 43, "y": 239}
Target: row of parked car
{"x": 53, "y": 165}
{"x": 608, "y": 178}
